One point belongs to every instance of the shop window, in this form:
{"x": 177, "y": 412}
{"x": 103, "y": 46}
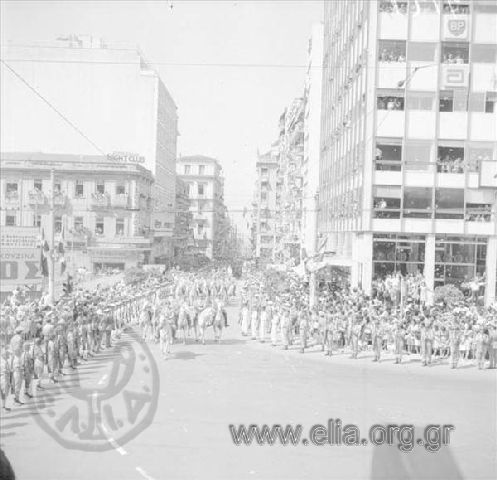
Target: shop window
{"x": 422, "y": 52}
{"x": 58, "y": 224}
{"x": 392, "y": 51}
{"x": 386, "y": 201}
{"x": 10, "y": 219}
{"x": 417, "y": 202}
{"x": 418, "y": 155}
{"x": 450, "y": 160}
{"x": 482, "y": 53}
{"x": 449, "y": 203}
{"x": 38, "y": 185}
{"x": 453, "y": 52}
{"x": 120, "y": 226}
{"x": 99, "y": 226}
{"x": 80, "y": 189}
{"x": 388, "y": 154}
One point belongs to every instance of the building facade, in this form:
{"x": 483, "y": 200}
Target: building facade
{"x": 408, "y": 140}
{"x": 111, "y": 94}
{"x": 312, "y": 136}
{"x": 183, "y": 228}
{"x": 290, "y": 183}
{"x": 102, "y": 207}
{"x": 203, "y": 177}
{"x": 265, "y": 206}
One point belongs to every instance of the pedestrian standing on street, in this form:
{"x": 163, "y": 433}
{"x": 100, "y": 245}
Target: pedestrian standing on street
{"x": 39, "y": 363}
{"x": 492, "y": 345}
{"x": 245, "y": 319}
{"x": 303, "y": 330}
{"x": 28, "y": 369}
{"x": 427, "y": 337}
{"x": 400, "y": 335}
{"x": 454, "y": 341}
{"x": 263, "y": 324}
{"x": 377, "y": 338}
{"x": 356, "y": 334}
{"x": 5, "y": 376}
{"x": 328, "y": 332}
{"x": 482, "y": 341}
{"x": 275, "y": 321}
{"x": 285, "y": 328}
{"x": 253, "y": 323}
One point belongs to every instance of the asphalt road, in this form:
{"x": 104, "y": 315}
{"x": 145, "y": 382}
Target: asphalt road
{"x": 202, "y": 389}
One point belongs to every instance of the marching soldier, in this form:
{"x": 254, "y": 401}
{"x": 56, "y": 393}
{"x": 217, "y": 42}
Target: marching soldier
{"x": 38, "y": 362}
{"x": 285, "y": 328}
{"x": 427, "y": 337}
{"x": 303, "y": 330}
{"x": 400, "y": 339}
{"x": 5, "y": 376}
{"x": 482, "y": 340}
{"x": 377, "y": 337}
{"x": 27, "y": 361}
{"x": 328, "y": 333}
{"x": 454, "y": 342}
{"x": 355, "y": 335}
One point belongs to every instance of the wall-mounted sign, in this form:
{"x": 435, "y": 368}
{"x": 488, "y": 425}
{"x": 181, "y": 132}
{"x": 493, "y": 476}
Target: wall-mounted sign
{"x": 455, "y": 75}
{"x": 125, "y": 157}
{"x": 456, "y": 27}
{"x": 488, "y": 174}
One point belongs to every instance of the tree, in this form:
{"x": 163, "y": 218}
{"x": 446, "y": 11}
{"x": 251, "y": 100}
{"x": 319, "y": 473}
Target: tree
{"x": 448, "y": 294}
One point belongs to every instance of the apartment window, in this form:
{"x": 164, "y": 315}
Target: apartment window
{"x": 479, "y": 153}
{"x": 392, "y": 51}
{"x": 453, "y": 100}
{"x": 392, "y": 6}
{"x": 200, "y": 229}
{"x": 388, "y": 154}
{"x": 38, "y": 185}
{"x": 386, "y": 200}
{"x": 120, "y": 189}
{"x": 120, "y": 226}
{"x": 264, "y": 171}
{"x": 449, "y": 203}
{"x": 450, "y": 159}
{"x": 101, "y": 188}
{"x": 490, "y": 101}
{"x": 455, "y": 9}
{"x": 78, "y": 224}
{"x": 484, "y": 6}
{"x": 80, "y": 189}
{"x": 390, "y": 100}
{"x": 201, "y": 189}
{"x": 10, "y": 219}
{"x": 58, "y": 224}
{"x": 453, "y": 52}
{"x": 99, "y": 226}
{"x": 11, "y": 188}
{"x": 157, "y": 224}
{"x": 422, "y": 52}
{"x": 37, "y": 221}
{"x": 418, "y": 202}
{"x": 418, "y": 155}
{"x": 481, "y": 53}
{"x": 187, "y": 169}
{"x": 421, "y": 101}
{"x": 201, "y": 169}
{"x": 478, "y": 212}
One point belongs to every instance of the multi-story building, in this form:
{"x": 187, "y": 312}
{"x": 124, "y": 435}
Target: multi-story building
{"x": 409, "y": 137}
{"x": 290, "y": 182}
{"x": 110, "y": 94}
{"x": 102, "y": 206}
{"x": 265, "y": 205}
{"x": 183, "y": 230}
{"x": 203, "y": 176}
{"x": 312, "y": 136}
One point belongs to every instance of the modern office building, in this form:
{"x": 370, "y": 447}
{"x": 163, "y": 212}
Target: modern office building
{"x": 102, "y": 206}
{"x": 312, "y": 143}
{"x": 409, "y": 138}
{"x": 110, "y": 94}
{"x": 203, "y": 176}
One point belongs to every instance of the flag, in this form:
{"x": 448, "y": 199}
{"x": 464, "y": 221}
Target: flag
{"x": 44, "y": 248}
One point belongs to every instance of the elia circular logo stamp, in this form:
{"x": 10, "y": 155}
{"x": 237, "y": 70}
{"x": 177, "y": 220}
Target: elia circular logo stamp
{"x": 106, "y": 409}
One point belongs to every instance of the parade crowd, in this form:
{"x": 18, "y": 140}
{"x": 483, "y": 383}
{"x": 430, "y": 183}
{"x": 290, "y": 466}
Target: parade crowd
{"x": 394, "y": 319}
{"x": 40, "y": 342}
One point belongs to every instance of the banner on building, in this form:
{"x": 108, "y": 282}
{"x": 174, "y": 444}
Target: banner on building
{"x": 455, "y": 75}
{"x": 20, "y": 258}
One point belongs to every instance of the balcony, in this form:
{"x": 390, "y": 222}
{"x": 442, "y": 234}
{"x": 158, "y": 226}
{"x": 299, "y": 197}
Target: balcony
{"x": 99, "y": 200}
{"x": 120, "y": 200}
{"x": 37, "y": 199}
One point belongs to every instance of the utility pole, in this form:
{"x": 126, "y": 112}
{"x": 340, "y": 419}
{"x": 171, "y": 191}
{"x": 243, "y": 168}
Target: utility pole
{"x": 51, "y": 267}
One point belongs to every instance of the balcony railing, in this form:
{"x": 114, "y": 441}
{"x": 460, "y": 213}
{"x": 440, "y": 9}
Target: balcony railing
{"x": 100, "y": 200}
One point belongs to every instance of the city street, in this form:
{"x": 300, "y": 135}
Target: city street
{"x": 205, "y": 388}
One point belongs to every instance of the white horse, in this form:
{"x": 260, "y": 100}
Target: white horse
{"x": 205, "y": 320}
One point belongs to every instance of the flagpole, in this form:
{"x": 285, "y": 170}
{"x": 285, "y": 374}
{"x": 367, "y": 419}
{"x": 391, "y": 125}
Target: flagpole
{"x": 51, "y": 269}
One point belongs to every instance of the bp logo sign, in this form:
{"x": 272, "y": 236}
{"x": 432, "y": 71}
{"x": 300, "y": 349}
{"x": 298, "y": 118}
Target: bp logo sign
{"x": 457, "y": 27}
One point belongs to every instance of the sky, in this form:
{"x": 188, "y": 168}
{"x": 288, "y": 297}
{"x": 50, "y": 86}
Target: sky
{"x": 241, "y": 64}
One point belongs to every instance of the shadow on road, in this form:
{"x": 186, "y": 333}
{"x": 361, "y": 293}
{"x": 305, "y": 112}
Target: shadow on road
{"x": 186, "y": 355}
